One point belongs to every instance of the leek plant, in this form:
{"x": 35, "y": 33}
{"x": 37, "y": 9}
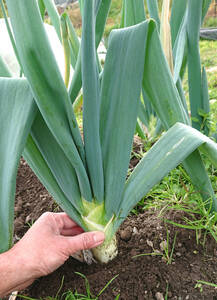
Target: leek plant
{"x": 179, "y": 25}
{"x": 87, "y": 175}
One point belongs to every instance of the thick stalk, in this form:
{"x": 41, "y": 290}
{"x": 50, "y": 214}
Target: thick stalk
{"x": 94, "y": 220}
{"x": 107, "y": 251}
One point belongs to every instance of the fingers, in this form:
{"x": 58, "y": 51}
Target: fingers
{"x": 64, "y": 221}
{"x": 22, "y": 286}
{"x": 72, "y": 231}
{"x": 85, "y": 241}
{"x": 61, "y": 221}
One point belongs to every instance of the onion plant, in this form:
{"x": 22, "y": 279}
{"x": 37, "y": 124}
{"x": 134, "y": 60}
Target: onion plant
{"x": 86, "y": 174}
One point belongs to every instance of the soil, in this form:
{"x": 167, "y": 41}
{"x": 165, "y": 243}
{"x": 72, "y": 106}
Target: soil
{"x": 145, "y": 277}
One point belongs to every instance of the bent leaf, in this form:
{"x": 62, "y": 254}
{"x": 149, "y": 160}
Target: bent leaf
{"x": 169, "y": 151}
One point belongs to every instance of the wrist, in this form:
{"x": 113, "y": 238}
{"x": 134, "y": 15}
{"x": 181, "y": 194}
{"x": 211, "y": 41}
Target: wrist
{"x": 15, "y": 272}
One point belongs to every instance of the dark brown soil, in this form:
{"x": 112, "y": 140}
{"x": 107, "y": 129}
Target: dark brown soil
{"x": 146, "y": 277}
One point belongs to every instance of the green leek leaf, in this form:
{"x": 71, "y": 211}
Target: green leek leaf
{"x": 17, "y": 111}
{"x": 119, "y": 106}
{"x": 134, "y": 12}
{"x": 49, "y": 91}
{"x": 153, "y": 11}
{"x": 194, "y": 63}
{"x": 91, "y": 102}
{"x": 177, "y": 14}
{"x": 37, "y": 163}
{"x": 169, "y": 151}
{"x": 4, "y": 71}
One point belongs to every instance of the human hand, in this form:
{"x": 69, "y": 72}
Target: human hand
{"x": 46, "y": 246}
{"x": 52, "y": 239}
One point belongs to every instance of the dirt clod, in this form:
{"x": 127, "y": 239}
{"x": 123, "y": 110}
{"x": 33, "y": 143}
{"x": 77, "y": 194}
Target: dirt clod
{"x": 159, "y": 296}
{"x": 126, "y": 234}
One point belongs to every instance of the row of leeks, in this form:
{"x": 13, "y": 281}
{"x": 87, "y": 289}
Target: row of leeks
{"x": 87, "y": 177}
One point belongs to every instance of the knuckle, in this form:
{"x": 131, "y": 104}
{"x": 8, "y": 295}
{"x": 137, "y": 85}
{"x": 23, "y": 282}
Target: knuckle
{"x": 87, "y": 241}
{"x": 46, "y": 215}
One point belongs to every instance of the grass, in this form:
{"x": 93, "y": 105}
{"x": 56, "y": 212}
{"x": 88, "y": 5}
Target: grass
{"x": 70, "y": 295}
{"x": 210, "y": 22}
{"x": 201, "y": 283}
{"x": 166, "y": 252}
{"x": 175, "y": 193}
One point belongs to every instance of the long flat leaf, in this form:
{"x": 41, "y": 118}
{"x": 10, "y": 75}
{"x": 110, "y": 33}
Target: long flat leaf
{"x": 10, "y": 32}
{"x": 194, "y": 63}
{"x": 74, "y": 42}
{"x": 49, "y": 91}
{"x": 205, "y": 101}
{"x": 54, "y": 16}
{"x": 102, "y": 14}
{"x": 119, "y": 106}
{"x": 56, "y": 160}
{"x": 37, "y": 163}
{"x": 177, "y": 13}
{"x": 153, "y": 11}
{"x": 206, "y": 4}
{"x": 55, "y": 20}
{"x": 4, "y": 71}
{"x": 161, "y": 90}
{"x": 134, "y": 12}
{"x": 91, "y": 102}
{"x": 17, "y": 111}
{"x": 42, "y": 8}
{"x": 179, "y": 48}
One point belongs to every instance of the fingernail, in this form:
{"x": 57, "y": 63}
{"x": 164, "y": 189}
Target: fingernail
{"x": 99, "y": 237}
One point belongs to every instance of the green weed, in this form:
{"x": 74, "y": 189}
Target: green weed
{"x": 70, "y": 295}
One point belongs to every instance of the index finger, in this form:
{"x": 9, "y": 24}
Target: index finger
{"x": 64, "y": 221}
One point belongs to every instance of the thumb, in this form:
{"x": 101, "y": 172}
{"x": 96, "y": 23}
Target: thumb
{"x": 85, "y": 241}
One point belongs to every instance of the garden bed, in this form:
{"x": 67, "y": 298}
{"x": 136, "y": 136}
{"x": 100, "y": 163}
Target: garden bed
{"x": 145, "y": 277}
